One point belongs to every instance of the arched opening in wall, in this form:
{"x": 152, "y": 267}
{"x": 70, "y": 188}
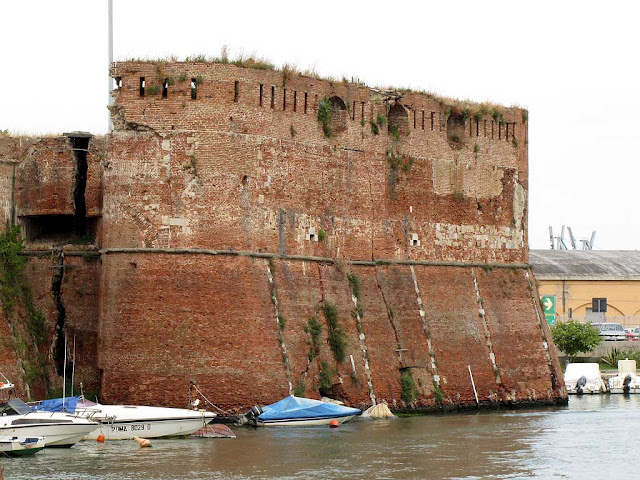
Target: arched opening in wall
{"x": 398, "y": 121}
{"x": 455, "y": 128}
{"x": 338, "y": 122}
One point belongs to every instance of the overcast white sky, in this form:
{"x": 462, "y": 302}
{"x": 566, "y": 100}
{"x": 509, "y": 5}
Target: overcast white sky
{"x": 573, "y": 64}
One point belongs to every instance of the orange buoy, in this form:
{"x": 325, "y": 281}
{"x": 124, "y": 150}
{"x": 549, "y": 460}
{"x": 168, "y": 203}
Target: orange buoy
{"x": 100, "y": 438}
{"x": 334, "y": 423}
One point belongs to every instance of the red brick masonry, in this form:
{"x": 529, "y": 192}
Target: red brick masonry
{"x": 214, "y": 215}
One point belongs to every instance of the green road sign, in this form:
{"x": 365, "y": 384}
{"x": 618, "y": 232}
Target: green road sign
{"x": 548, "y": 303}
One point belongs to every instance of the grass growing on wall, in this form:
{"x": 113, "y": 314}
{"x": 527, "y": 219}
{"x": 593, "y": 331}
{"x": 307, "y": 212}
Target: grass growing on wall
{"x": 438, "y": 394}
{"x": 300, "y": 390}
{"x": 324, "y": 116}
{"x": 314, "y": 330}
{"x": 337, "y": 337}
{"x": 14, "y": 292}
{"x": 408, "y": 385}
{"x": 354, "y": 281}
{"x": 325, "y": 382}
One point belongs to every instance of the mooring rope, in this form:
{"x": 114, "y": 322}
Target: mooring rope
{"x": 208, "y": 401}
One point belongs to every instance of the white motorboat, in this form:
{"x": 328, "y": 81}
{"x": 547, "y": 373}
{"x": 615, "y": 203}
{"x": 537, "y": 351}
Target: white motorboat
{"x": 19, "y": 446}
{"x": 626, "y": 381}
{"x": 123, "y": 422}
{"x": 582, "y": 378}
{"x": 17, "y": 419}
{"x": 296, "y": 411}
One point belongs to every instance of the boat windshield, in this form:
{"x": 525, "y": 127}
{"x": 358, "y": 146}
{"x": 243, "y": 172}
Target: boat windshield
{"x": 15, "y": 406}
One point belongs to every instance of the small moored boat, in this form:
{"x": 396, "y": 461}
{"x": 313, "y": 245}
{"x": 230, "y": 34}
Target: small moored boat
{"x": 17, "y": 419}
{"x": 582, "y": 378}
{"x": 626, "y": 381}
{"x": 124, "y": 422}
{"x": 300, "y": 411}
{"x": 18, "y": 446}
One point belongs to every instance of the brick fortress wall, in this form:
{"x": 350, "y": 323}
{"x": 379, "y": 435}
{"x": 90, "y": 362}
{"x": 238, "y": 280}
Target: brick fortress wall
{"x": 38, "y": 192}
{"x": 229, "y": 217}
{"x": 227, "y": 221}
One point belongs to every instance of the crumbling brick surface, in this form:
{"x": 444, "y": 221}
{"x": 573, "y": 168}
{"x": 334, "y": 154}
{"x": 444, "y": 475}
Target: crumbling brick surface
{"x": 248, "y": 175}
{"x": 514, "y": 330}
{"x": 269, "y": 174}
{"x": 457, "y": 333}
{"x": 205, "y": 318}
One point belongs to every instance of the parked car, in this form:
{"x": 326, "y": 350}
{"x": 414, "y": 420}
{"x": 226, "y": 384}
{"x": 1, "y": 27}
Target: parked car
{"x": 610, "y": 331}
{"x": 632, "y": 334}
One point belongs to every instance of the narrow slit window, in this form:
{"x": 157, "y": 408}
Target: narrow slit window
{"x": 432, "y": 115}
{"x": 492, "y": 123}
{"x": 194, "y": 89}
{"x": 305, "y": 102}
{"x": 142, "y": 85}
{"x": 470, "y": 128}
{"x": 284, "y": 99}
{"x": 273, "y": 97}
{"x": 295, "y": 100}
{"x": 165, "y": 88}
{"x": 477, "y": 127}
{"x": 236, "y": 91}
{"x": 485, "y": 128}
{"x": 353, "y": 111}
{"x": 261, "y": 90}
{"x": 499, "y": 131}
{"x": 422, "y": 119}
{"x": 362, "y": 103}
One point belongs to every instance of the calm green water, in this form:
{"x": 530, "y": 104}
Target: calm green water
{"x": 594, "y": 437}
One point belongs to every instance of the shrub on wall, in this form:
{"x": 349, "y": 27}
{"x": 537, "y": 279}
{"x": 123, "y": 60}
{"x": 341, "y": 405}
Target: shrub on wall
{"x": 314, "y": 330}
{"x": 337, "y": 337}
{"x": 324, "y": 116}
{"x": 408, "y": 384}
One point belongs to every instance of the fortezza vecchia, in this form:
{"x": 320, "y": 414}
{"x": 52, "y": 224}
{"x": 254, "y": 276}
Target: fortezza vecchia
{"x": 263, "y": 232}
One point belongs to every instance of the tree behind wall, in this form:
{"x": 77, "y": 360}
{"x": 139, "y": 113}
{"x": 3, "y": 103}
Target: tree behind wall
{"x": 573, "y": 337}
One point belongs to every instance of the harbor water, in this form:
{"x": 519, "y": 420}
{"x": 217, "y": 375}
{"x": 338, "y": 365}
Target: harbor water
{"x": 595, "y": 436}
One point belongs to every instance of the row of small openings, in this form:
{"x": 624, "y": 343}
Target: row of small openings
{"x": 426, "y": 120}
{"x": 489, "y": 129}
{"x": 165, "y": 87}
{"x": 305, "y": 107}
{"x": 422, "y": 118}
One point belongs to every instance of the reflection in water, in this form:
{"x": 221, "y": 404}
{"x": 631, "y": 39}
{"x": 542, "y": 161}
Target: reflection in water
{"x": 595, "y": 436}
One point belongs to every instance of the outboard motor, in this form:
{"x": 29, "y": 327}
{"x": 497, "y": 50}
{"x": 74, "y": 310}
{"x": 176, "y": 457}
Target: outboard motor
{"x": 253, "y": 414}
{"x": 582, "y": 381}
{"x": 626, "y": 384}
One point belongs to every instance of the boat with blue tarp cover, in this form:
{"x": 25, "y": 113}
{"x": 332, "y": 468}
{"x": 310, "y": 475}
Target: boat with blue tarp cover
{"x": 300, "y": 411}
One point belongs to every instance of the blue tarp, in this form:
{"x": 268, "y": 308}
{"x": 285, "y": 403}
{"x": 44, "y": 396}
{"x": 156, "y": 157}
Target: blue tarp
{"x": 55, "y": 405}
{"x": 304, "y": 408}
